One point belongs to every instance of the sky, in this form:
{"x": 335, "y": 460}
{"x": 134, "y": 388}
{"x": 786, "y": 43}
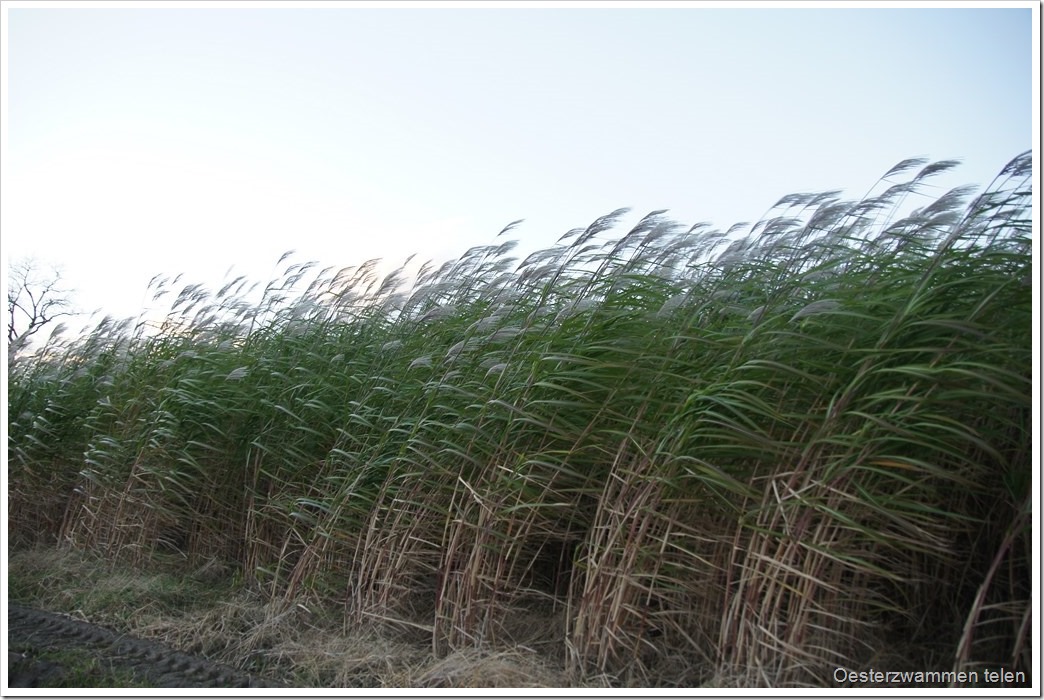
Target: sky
{"x": 143, "y": 139}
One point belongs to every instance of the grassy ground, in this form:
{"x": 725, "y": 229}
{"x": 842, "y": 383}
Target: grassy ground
{"x": 200, "y": 612}
{"x": 76, "y": 668}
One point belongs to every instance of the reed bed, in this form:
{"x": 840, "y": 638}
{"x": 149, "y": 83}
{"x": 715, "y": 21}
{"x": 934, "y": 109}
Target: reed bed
{"x": 768, "y": 452}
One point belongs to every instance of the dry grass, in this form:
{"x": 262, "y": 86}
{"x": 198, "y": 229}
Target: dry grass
{"x": 304, "y": 647}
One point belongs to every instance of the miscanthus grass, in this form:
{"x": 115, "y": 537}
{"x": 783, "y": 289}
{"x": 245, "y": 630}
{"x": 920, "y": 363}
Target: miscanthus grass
{"x": 766, "y": 452}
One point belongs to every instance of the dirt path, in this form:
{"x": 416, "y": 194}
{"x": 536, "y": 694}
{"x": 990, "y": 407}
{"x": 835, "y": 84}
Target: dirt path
{"x": 48, "y": 650}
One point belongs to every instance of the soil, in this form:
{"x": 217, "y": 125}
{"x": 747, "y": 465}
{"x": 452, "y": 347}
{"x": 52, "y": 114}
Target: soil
{"x": 50, "y": 650}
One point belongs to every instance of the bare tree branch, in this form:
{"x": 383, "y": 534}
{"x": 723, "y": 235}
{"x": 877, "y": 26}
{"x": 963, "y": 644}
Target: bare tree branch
{"x": 34, "y": 300}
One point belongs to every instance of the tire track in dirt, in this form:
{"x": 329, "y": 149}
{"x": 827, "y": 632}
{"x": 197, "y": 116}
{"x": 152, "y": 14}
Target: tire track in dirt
{"x": 31, "y": 633}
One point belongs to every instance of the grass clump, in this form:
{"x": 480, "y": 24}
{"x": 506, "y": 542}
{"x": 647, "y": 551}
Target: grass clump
{"x": 773, "y": 452}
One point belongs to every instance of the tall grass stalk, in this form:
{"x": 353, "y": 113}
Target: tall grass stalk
{"x": 776, "y": 450}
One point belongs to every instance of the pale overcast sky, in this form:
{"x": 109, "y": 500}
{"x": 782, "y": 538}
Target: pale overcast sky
{"x": 143, "y": 140}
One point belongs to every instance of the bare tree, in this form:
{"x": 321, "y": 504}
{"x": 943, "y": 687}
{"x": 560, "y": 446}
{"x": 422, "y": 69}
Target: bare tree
{"x": 34, "y": 299}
